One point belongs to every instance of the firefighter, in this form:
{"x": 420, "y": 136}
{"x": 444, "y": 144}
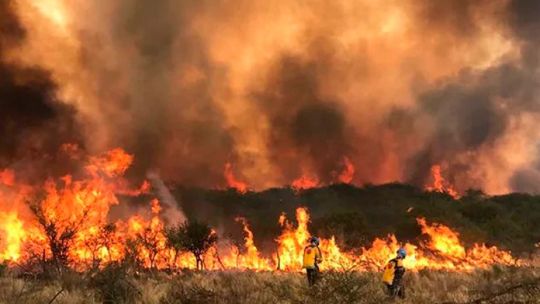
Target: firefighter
{"x": 393, "y": 275}
{"x": 312, "y": 258}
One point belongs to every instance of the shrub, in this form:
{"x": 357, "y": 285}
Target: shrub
{"x": 115, "y": 285}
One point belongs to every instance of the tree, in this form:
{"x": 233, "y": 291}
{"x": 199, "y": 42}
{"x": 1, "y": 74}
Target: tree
{"x": 192, "y": 236}
{"x": 150, "y": 240}
{"x": 106, "y": 235}
{"x": 175, "y": 237}
{"x": 60, "y": 235}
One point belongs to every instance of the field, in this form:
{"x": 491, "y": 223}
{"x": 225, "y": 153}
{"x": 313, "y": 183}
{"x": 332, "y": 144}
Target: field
{"x": 117, "y": 284}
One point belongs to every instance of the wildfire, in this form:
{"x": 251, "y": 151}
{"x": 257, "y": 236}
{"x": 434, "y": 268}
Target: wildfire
{"x": 251, "y": 257}
{"x": 232, "y": 182}
{"x": 304, "y": 182}
{"x": 307, "y": 181}
{"x": 14, "y": 234}
{"x": 440, "y": 184}
{"x": 69, "y": 218}
{"x": 7, "y": 177}
{"x": 346, "y": 176}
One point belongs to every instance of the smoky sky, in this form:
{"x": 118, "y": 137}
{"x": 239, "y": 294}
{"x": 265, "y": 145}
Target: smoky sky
{"x": 474, "y": 109}
{"x": 526, "y": 23}
{"x": 33, "y": 124}
{"x": 303, "y": 123}
{"x": 280, "y": 91}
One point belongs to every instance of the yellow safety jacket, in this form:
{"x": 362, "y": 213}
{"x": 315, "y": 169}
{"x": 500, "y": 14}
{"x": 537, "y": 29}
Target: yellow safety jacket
{"x": 393, "y": 268}
{"x": 312, "y": 256}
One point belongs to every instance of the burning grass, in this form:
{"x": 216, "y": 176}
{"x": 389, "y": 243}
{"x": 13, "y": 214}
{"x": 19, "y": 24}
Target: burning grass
{"x": 64, "y": 223}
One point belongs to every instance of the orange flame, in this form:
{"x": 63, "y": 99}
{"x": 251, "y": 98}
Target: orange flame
{"x": 82, "y": 205}
{"x": 7, "y": 177}
{"x": 440, "y": 184}
{"x": 13, "y": 235}
{"x": 347, "y": 175}
{"x": 304, "y": 182}
{"x": 251, "y": 259}
{"x": 113, "y": 163}
{"x": 232, "y": 182}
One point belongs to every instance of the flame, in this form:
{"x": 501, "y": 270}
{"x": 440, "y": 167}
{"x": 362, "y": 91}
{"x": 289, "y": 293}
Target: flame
{"x": 113, "y": 163}
{"x": 232, "y": 182}
{"x": 443, "y": 251}
{"x": 251, "y": 258}
{"x": 443, "y": 239}
{"x": 7, "y": 177}
{"x": 304, "y": 182}
{"x": 440, "y": 184}
{"x": 13, "y": 235}
{"x": 81, "y": 206}
{"x": 307, "y": 181}
{"x": 347, "y": 175}
{"x": 292, "y": 241}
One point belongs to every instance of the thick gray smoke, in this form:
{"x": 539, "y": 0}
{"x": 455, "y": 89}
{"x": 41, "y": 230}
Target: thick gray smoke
{"x": 173, "y": 210}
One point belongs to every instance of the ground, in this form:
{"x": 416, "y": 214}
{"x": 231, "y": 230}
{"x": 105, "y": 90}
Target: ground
{"x": 497, "y": 285}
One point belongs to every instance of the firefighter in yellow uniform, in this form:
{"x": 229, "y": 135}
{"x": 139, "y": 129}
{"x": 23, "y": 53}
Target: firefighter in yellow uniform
{"x": 312, "y": 259}
{"x": 393, "y": 275}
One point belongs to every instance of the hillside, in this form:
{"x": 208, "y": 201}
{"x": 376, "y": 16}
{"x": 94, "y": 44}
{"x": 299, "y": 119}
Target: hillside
{"x": 356, "y": 215}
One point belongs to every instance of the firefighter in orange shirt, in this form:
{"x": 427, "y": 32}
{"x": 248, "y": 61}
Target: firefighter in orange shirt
{"x": 312, "y": 259}
{"x": 393, "y": 275}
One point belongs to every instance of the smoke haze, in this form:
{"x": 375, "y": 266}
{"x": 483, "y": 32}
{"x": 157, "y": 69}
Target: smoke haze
{"x": 280, "y": 89}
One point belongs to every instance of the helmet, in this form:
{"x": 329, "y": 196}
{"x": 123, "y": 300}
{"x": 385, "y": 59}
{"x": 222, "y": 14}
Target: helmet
{"x": 314, "y": 240}
{"x": 402, "y": 253}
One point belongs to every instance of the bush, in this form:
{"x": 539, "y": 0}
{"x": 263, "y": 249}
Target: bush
{"x": 115, "y": 285}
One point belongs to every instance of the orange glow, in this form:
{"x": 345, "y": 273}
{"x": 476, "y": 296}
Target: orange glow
{"x": 85, "y": 202}
{"x": 381, "y": 41}
{"x": 440, "y": 184}
{"x": 12, "y": 236}
{"x": 7, "y": 177}
{"x": 304, "y": 182}
{"x": 347, "y": 175}
{"x": 113, "y": 163}
{"x": 250, "y": 258}
{"x": 232, "y": 182}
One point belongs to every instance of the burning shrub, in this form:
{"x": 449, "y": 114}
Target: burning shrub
{"x": 59, "y": 237}
{"x": 193, "y": 236}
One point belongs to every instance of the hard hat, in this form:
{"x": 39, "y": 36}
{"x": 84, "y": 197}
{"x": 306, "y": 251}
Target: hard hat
{"x": 402, "y": 252}
{"x": 314, "y": 240}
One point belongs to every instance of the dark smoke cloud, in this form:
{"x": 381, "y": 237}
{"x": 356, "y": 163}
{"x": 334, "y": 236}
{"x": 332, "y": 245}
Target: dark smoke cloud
{"x": 526, "y": 24}
{"x": 278, "y": 91}
{"x": 449, "y": 17}
{"x": 170, "y": 126}
{"x": 305, "y": 126}
{"x": 525, "y": 19}
{"x": 33, "y": 124}
{"x": 474, "y": 110}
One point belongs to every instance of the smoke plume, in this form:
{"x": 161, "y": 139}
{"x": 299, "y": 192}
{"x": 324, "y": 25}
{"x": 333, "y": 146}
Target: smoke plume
{"x": 280, "y": 89}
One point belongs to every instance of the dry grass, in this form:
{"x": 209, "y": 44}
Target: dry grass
{"x": 517, "y": 285}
